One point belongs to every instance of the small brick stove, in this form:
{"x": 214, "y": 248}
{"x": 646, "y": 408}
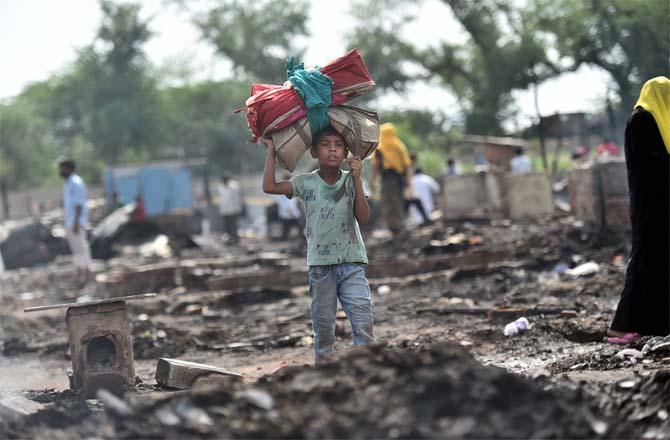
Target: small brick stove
{"x": 101, "y": 344}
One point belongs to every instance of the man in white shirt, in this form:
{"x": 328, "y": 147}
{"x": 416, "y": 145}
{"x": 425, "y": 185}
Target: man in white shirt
{"x": 75, "y": 211}
{"x": 521, "y": 164}
{"x": 424, "y": 187}
{"x": 231, "y": 206}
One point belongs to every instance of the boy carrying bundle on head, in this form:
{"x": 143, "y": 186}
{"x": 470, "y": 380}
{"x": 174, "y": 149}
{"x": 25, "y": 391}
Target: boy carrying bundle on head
{"x": 335, "y": 203}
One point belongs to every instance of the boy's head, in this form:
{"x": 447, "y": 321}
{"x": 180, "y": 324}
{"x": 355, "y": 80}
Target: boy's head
{"x": 329, "y": 147}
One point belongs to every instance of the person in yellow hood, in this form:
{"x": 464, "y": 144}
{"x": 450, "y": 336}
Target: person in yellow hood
{"x": 393, "y": 162}
{"x": 644, "y": 307}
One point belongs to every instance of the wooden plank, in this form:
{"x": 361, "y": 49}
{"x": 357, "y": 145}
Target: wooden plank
{"x": 179, "y": 374}
{"x": 88, "y": 303}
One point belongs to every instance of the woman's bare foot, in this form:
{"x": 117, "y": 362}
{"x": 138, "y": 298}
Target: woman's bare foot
{"x": 615, "y": 333}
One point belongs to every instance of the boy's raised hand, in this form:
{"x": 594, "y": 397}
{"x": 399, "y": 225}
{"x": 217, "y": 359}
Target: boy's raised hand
{"x": 269, "y": 145}
{"x": 355, "y": 164}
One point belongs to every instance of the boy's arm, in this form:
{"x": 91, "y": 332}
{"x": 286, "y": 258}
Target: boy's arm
{"x": 361, "y": 207}
{"x": 270, "y": 184}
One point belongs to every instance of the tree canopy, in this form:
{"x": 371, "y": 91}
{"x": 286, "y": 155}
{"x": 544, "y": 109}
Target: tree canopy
{"x": 112, "y": 105}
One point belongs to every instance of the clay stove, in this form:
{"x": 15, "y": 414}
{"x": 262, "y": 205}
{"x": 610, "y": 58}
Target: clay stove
{"x": 101, "y": 344}
{"x": 101, "y": 347}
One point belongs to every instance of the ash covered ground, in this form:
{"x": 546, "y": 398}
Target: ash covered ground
{"x": 441, "y": 368}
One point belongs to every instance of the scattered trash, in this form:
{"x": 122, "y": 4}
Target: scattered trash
{"x": 281, "y": 366}
{"x": 627, "y": 384}
{"x": 658, "y": 344}
{"x": 258, "y": 398}
{"x": 114, "y": 404}
{"x": 383, "y": 290}
{"x": 167, "y": 416}
{"x": 560, "y": 268}
{"x": 568, "y": 314}
{"x": 159, "y": 247}
{"x": 195, "y": 417}
{"x": 584, "y": 270}
{"x": 599, "y": 427}
{"x": 517, "y": 327}
{"x": 629, "y": 352}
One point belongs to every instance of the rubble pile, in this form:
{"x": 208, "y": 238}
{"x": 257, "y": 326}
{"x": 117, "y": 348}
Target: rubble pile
{"x": 439, "y": 294}
{"x": 647, "y": 351}
{"x": 368, "y": 393}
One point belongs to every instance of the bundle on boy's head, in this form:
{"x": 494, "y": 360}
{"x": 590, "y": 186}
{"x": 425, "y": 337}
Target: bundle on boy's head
{"x": 326, "y": 131}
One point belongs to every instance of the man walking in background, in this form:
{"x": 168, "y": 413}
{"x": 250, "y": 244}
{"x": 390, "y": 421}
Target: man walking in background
{"x": 76, "y": 216}
{"x": 230, "y": 206}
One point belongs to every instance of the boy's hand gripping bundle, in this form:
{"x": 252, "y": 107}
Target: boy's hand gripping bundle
{"x": 309, "y": 101}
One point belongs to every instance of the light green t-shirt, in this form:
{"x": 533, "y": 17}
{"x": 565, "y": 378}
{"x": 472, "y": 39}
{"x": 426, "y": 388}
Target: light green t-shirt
{"x": 333, "y": 235}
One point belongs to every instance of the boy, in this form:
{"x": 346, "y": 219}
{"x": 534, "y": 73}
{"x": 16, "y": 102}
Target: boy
{"x": 334, "y": 203}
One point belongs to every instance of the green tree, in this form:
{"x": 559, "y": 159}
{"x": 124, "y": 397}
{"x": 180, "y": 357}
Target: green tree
{"x": 504, "y": 52}
{"x": 257, "y": 37}
{"x": 201, "y": 122}
{"x": 626, "y": 38}
{"x": 376, "y": 33}
{"x": 26, "y": 149}
{"x": 109, "y": 97}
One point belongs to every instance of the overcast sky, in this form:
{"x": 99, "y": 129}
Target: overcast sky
{"x": 40, "y": 37}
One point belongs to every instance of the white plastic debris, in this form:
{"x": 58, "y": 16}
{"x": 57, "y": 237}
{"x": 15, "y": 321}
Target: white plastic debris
{"x": 258, "y": 398}
{"x": 629, "y": 352}
{"x": 383, "y": 290}
{"x": 584, "y": 270}
{"x": 657, "y": 343}
{"x": 517, "y": 327}
{"x": 627, "y": 384}
{"x": 167, "y": 416}
{"x": 113, "y": 403}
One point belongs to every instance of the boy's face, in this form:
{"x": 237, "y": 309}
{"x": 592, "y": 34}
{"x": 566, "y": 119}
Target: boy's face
{"x": 330, "y": 151}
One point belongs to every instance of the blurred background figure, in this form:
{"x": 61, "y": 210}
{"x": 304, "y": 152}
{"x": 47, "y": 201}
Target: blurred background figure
{"x": 521, "y": 163}
{"x": 139, "y": 213}
{"x": 413, "y": 203}
{"x": 393, "y": 162}
{"x": 231, "y": 206}
{"x": 579, "y": 155}
{"x": 288, "y": 211}
{"x": 608, "y": 148}
{"x": 75, "y": 210}
{"x": 425, "y": 188}
{"x": 452, "y": 168}
{"x": 116, "y": 201}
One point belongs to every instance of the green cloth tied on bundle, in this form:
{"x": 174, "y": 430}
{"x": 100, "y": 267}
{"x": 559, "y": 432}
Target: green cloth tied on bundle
{"x": 314, "y": 89}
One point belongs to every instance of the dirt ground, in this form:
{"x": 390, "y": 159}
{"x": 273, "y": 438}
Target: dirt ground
{"x": 442, "y": 366}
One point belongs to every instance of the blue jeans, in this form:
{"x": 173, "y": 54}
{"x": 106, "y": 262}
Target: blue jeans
{"x": 347, "y": 282}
